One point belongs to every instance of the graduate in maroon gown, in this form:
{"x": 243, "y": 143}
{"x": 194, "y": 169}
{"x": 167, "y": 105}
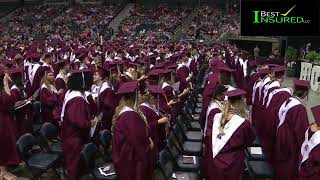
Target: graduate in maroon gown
{"x": 310, "y": 150}
{"x": 61, "y": 78}
{"x": 231, "y": 134}
{"x": 292, "y": 125}
{"x": 267, "y": 119}
{"x": 252, "y": 77}
{"x": 49, "y": 97}
{"x": 76, "y": 121}
{"x": 215, "y": 107}
{"x": 8, "y": 138}
{"x": 149, "y": 108}
{"x": 225, "y": 76}
{"x": 131, "y": 144}
{"x": 23, "y": 113}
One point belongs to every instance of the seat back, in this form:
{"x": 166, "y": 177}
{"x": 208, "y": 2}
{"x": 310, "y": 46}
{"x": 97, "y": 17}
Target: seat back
{"x": 178, "y": 134}
{"x": 49, "y": 131}
{"x": 88, "y": 154}
{"x": 165, "y": 164}
{"x": 173, "y": 149}
{"x": 105, "y": 138}
{"x": 24, "y": 145}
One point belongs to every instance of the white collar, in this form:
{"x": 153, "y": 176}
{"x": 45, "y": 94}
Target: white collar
{"x": 126, "y": 109}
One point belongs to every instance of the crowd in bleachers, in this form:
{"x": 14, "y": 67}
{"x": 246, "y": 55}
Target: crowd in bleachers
{"x": 212, "y": 23}
{"x": 160, "y": 20}
{"x": 24, "y": 20}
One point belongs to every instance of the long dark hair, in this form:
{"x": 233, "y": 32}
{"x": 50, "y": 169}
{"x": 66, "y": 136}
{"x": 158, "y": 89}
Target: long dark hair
{"x": 80, "y": 81}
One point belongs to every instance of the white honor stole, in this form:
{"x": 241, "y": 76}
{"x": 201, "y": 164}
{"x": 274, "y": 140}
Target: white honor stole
{"x": 264, "y": 82}
{"x": 285, "y": 108}
{"x": 255, "y": 88}
{"x": 265, "y": 92}
{"x": 309, "y": 145}
{"x": 69, "y": 95}
{"x": 213, "y": 105}
{"x": 32, "y": 70}
{"x": 231, "y": 126}
{"x": 276, "y": 92}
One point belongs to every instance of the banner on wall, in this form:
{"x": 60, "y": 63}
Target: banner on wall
{"x": 311, "y": 72}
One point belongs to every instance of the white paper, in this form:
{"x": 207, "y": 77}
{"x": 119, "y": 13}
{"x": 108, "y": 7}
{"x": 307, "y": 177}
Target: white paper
{"x": 174, "y": 176}
{"x": 194, "y": 158}
{"x": 256, "y": 150}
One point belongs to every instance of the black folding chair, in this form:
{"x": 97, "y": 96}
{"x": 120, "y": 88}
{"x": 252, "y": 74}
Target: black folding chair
{"x": 50, "y": 138}
{"x": 88, "y": 155}
{"x": 166, "y": 168}
{"x": 105, "y": 141}
{"x": 189, "y": 135}
{"x": 259, "y": 169}
{"x": 188, "y": 147}
{"x": 37, "y": 161}
{"x": 180, "y": 163}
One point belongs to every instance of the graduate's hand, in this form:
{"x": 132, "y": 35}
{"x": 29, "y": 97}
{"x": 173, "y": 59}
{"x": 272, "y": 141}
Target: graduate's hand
{"x": 151, "y": 145}
{"x": 171, "y": 102}
{"x": 60, "y": 91}
{"x": 163, "y": 120}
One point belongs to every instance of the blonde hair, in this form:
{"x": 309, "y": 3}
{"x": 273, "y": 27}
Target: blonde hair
{"x": 130, "y": 102}
{"x": 237, "y": 107}
{"x": 46, "y": 82}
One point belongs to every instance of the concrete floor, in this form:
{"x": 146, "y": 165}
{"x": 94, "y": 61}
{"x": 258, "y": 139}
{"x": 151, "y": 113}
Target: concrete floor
{"x": 313, "y": 100}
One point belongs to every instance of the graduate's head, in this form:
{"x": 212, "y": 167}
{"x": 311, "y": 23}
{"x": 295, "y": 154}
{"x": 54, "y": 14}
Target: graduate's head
{"x": 129, "y": 95}
{"x": 278, "y": 73}
{"x": 225, "y": 75}
{"x": 263, "y": 72}
{"x": 99, "y": 75}
{"x": 48, "y": 57}
{"x": 301, "y": 88}
{"x": 16, "y": 76}
{"x": 219, "y": 93}
{"x": 316, "y": 114}
{"x": 80, "y": 80}
{"x": 234, "y": 106}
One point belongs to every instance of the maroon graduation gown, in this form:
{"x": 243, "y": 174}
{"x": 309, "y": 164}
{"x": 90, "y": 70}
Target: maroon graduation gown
{"x": 228, "y": 164}
{"x": 107, "y": 105}
{"x": 207, "y": 97}
{"x": 32, "y": 88}
{"x": 60, "y": 84}
{"x": 310, "y": 168}
{"x": 74, "y": 134}
{"x": 207, "y": 151}
{"x": 266, "y": 120}
{"x": 23, "y": 115}
{"x": 182, "y": 74}
{"x": 130, "y": 148}
{"x": 8, "y": 138}
{"x": 152, "y": 119}
{"x": 289, "y": 138}
{"x": 249, "y": 88}
{"x": 49, "y": 102}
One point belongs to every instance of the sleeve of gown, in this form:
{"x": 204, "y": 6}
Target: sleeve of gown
{"x": 249, "y": 134}
{"x": 60, "y": 84}
{"x": 301, "y": 122}
{"x": 168, "y": 93}
{"x": 15, "y": 94}
{"x": 145, "y": 112}
{"x": 136, "y": 134}
{"x": 6, "y": 102}
{"x": 48, "y": 98}
{"x": 78, "y": 113}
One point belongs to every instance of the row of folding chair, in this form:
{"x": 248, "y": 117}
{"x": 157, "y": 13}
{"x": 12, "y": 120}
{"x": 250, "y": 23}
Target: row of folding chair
{"x": 181, "y": 157}
{"x": 44, "y": 151}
